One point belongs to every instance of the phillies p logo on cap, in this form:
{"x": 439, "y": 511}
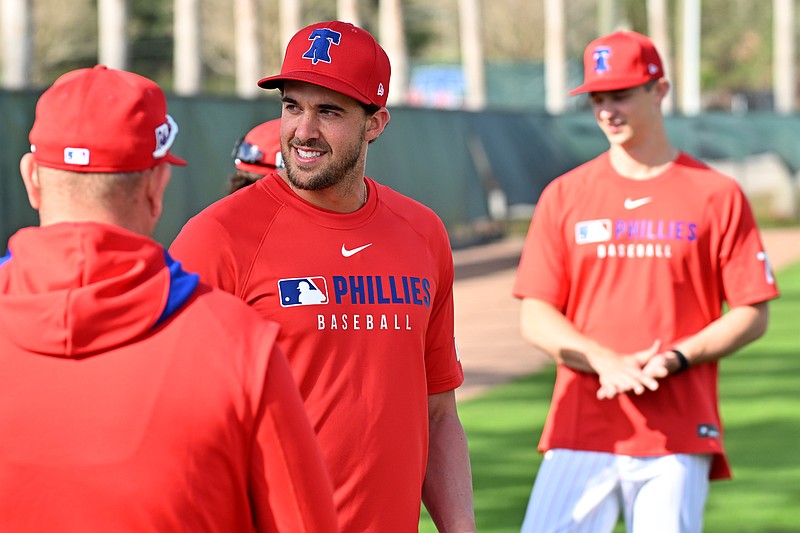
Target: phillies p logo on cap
{"x": 601, "y": 59}
{"x": 321, "y": 41}
{"x": 165, "y": 136}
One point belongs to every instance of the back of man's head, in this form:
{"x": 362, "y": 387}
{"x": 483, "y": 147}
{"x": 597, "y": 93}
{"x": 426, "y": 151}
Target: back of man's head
{"x": 99, "y": 135}
{"x": 256, "y": 154}
{"x": 103, "y": 120}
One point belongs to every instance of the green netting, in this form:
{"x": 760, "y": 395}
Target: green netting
{"x": 435, "y": 156}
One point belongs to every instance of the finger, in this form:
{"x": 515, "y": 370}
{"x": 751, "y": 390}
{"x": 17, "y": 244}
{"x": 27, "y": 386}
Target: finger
{"x": 656, "y": 347}
{"x": 645, "y": 355}
{"x": 651, "y": 384}
{"x": 658, "y": 372}
{"x": 606, "y": 392}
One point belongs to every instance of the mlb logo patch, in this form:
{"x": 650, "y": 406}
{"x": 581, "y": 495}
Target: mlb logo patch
{"x": 76, "y": 156}
{"x": 590, "y": 231}
{"x": 311, "y": 290}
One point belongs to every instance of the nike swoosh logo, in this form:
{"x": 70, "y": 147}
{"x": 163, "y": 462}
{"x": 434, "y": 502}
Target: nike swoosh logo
{"x": 633, "y": 204}
{"x": 354, "y": 251}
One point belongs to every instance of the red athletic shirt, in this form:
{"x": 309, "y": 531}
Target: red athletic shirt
{"x": 365, "y": 304}
{"x": 133, "y": 399}
{"x": 629, "y": 262}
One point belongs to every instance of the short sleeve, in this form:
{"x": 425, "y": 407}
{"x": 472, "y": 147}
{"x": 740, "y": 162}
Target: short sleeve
{"x": 204, "y": 246}
{"x": 442, "y": 366}
{"x": 542, "y": 271}
{"x": 747, "y": 276}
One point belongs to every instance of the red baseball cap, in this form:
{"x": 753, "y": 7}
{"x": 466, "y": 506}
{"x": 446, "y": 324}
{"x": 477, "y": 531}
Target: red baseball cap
{"x": 617, "y": 61}
{"x": 103, "y": 120}
{"x": 338, "y": 56}
{"x": 260, "y": 150}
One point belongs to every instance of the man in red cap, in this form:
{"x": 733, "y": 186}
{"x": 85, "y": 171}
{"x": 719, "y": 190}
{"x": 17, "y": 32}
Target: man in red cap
{"x": 360, "y": 279}
{"x": 256, "y": 154}
{"x": 623, "y": 276}
{"x": 133, "y": 397}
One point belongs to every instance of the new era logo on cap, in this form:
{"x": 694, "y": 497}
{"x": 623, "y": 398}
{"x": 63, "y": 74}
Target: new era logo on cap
{"x": 341, "y": 57}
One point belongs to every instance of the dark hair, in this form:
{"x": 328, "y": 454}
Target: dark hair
{"x": 241, "y": 179}
{"x": 650, "y": 84}
{"x": 370, "y": 109}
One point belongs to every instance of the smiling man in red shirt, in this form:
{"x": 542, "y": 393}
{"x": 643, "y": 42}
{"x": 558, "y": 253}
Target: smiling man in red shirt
{"x": 360, "y": 279}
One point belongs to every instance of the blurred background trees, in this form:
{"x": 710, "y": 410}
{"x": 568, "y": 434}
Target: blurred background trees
{"x": 736, "y": 44}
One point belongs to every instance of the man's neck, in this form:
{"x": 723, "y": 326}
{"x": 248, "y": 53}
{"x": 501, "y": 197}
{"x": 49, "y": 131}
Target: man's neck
{"x": 644, "y": 161}
{"x": 344, "y": 197}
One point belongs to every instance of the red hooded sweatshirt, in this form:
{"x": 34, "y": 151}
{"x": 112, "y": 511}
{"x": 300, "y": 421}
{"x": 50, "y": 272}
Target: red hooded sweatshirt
{"x": 133, "y": 398}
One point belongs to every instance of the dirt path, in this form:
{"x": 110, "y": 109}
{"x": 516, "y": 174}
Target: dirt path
{"x": 487, "y": 317}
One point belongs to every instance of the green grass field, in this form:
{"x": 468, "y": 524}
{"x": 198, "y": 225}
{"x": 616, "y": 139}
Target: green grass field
{"x": 760, "y": 403}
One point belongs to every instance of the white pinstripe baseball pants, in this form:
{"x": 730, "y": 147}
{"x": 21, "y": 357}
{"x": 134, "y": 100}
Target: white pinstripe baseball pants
{"x": 583, "y": 492}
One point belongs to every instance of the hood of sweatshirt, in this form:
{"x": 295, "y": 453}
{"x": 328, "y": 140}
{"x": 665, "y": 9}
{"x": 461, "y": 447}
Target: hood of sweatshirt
{"x": 75, "y": 289}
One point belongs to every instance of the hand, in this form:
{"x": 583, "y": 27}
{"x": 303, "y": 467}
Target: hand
{"x": 637, "y": 372}
{"x": 657, "y": 367}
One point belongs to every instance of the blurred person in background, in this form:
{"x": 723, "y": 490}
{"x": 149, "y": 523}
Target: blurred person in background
{"x": 133, "y": 397}
{"x": 256, "y": 154}
{"x": 624, "y": 274}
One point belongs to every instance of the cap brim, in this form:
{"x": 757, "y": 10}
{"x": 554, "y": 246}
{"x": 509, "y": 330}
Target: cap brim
{"x": 261, "y": 170}
{"x": 611, "y": 84}
{"x": 315, "y": 78}
{"x": 173, "y": 160}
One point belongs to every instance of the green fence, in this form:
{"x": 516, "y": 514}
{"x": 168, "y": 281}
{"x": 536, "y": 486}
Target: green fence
{"x": 447, "y": 159}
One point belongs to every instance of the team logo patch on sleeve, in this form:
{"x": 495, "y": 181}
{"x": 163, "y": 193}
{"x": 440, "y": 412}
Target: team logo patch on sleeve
{"x": 589, "y": 231}
{"x": 312, "y": 290}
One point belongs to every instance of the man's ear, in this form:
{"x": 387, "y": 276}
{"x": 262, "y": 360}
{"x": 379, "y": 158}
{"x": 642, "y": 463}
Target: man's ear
{"x": 376, "y": 124}
{"x": 156, "y": 185}
{"x": 663, "y": 87}
{"x": 30, "y": 177}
